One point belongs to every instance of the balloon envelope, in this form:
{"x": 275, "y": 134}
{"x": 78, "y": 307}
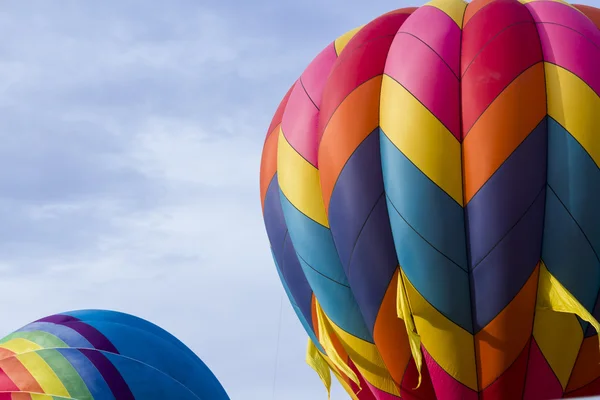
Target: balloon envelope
{"x": 431, "y": 192}
{"x": 95, "y": 354}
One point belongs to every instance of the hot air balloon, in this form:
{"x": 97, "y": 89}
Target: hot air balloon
{"x": 431, "y": 192}
{"x": 101, "y": 355}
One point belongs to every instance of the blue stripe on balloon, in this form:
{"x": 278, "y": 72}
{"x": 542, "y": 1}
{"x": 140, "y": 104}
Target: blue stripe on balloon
{"x": 441, "y": 282}
{"x": 425, "y": 206}
{"x": 300, "y": 312}
{"x": 90, "y": 375}
{"x": 338, "y": 302}
{"x": 313, "y": 242}
{"x": 575, "y": 178}
{"x": 568, "y": 255}
{"x": 138, "y": 376}
{"x": 158, "y": 352}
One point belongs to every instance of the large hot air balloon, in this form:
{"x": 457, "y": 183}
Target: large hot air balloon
{"x": 431, "y": 193}
{"x": 101, "y": 355}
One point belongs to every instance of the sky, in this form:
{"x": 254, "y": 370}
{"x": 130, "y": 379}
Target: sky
{"x": 131, "y": 134}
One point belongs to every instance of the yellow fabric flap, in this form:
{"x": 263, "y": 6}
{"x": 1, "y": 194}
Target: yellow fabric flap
{"x": 552, "y": 295}
{"x": 404, "y": 312}
{"x": 325, "y": 332}
{"x": 342, "y": 381}
{"x": 315, "y": 360}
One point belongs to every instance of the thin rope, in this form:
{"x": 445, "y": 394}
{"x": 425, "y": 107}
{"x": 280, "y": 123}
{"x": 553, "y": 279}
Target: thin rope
{"x": 277, "y": 348}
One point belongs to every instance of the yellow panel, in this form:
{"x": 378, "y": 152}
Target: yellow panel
{"x": 559, "y": 336}
{"x": 455, "y": 9}
{"x": 299, "y": 182}
{"x": 367, "y": 359}
{"x": 421, "y": 137}
{"x": 341, "y": 42}
{"x": 574, "y": 105}
{"x": 20, "y": 345}
{"x": 447, "y": 343}
{"x": 43, "y": 374}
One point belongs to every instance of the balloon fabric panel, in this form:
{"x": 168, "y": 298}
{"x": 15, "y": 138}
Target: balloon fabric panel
{"x": 94, "y": 354}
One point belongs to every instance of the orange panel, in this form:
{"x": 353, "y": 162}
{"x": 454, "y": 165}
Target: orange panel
{"x": 351, "y": 123}
{"x": 502, "y": 127}
{"x": 499, "y": 344}
{"x": 587, "y": 366}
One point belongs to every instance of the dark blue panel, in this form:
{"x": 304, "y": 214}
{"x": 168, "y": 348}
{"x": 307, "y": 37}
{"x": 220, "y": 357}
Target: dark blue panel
{"x": 507, "y": 195}
{"x": 275, "y": 220}
{"x": 296, "y": 280}
{"x": 373, "y": 263}
{"x": 358, "y": 188}
{"x": 503, "y": 272}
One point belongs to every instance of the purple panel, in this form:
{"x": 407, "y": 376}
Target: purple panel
{"x": 503, "y": 272}
{"x": 111, "y": 375}
{"x": 284, "y": 251}
{"x": 373, "y": 263}
{"x": 97, "y": 339}
{"x": 274, "y": 219}
{"x": 296, "y": 280}
{"x": 361, "y": 228}
{"x": 507, "y": 195}
{"x": 358, "y": 188}
{"x": 57, "y": 319}
{"x": 91, "y": 334}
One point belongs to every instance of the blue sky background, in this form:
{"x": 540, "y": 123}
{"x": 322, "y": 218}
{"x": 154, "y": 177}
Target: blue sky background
{"x": 131, "y": 134}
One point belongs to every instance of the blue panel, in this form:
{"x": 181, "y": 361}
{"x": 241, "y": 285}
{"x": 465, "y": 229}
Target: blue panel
{"x": 568, "y": 255}
{"x": 302, "y": 316}
{"x": 139, "y": 375}
{"x": 89, "y": 374}
{"x": 441, "y": 282}
{"x": 338, "y": 302}
{"x": 424, "y": 205}
{"x": 575, "y": 178}
{"x": 313, "y": 242}
{"x": 160, "y": 353}
{"x": 127, "y": 320}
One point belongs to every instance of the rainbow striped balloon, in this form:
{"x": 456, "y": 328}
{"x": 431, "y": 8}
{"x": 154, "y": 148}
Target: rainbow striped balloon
{"x": 101, "y": 355}
{"x": 431, "y": 192}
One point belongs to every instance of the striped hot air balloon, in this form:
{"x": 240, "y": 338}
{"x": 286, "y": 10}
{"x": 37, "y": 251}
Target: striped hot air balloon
{"x": 101, "y": 355}
{"x": 431, "y": 192}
